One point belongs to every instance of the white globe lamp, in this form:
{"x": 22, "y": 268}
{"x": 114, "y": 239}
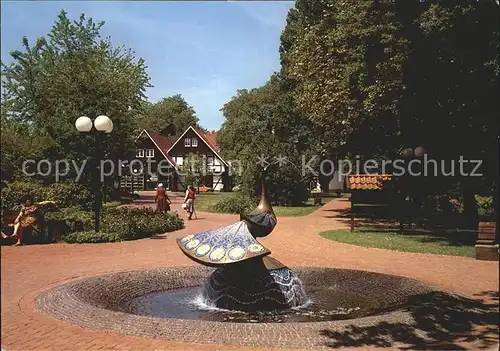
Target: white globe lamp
{"x": 103, "y": 124}
{"x": 83, "y": 124}
{"x": 419, "y": 151}
{"x": 111, "y": 127}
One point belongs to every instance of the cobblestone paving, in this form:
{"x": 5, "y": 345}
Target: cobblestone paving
{"x": 29, "y": 270}
{"x": 104, "y": 303}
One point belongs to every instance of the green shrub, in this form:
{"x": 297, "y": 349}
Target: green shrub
{"x": 65, "y": 194}
{"x": 284, "y": 185}
{"x": 239, "y": 204}
{"x": 111, "y": 204}
{"x": 71, "y": 219}
{"x": 13, "y": 192}
{"x": 119, "y": 221}
{"x": 68, "y": 194}
{"x": 485, "y": 205}
{"x": 139, "y": 223}
{"x": 90, "y": 237}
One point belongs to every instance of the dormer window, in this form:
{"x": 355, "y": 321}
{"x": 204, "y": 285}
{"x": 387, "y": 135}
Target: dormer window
{"x": 139, "y": 153}
{"x": 187, "y": 142}
{"x": 194, "y": 142}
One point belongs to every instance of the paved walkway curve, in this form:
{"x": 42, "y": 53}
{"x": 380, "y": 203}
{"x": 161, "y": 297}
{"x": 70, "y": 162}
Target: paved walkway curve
{"x": 28, "y": 270}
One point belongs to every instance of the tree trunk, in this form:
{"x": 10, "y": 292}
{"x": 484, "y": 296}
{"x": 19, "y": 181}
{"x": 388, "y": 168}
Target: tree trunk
{"x": 495, "y": 212}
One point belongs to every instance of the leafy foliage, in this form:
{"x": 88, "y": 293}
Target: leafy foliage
{"x": 70, "y": 220}
{"x": 485, "y": 205}
{"x": 238, "y": 203}
{"x": 263, "y": 123}
{"x": 90, "y": 237}
{"x": 65, "y": 194}
{"x": 12, "y": 194}
{"x": 69, "y": 193}
{"x": 172, "y": 110}
{"x": 72, "y": 72}
{"x": 345, "y": 63}
{"x": 379, "y": 76}
{"x": 133, "y": 224}
{"x": 193, "y": 169}
{"x": 117, "y": 224}
{"x": 18, "y": 144}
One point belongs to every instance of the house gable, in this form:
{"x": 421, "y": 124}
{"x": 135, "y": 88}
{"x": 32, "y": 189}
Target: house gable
{"x": 149, "y": 140}
{"x": 194, "y": 141}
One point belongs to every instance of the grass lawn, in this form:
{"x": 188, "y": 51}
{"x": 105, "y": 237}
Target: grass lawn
{"x": 205, "y": 200}
{"x": 442, "y": 243}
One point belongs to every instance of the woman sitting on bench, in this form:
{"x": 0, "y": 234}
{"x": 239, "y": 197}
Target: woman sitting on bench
{"x": 27, "y": 218}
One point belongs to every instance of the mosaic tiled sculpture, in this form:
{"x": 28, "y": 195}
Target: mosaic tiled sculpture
{"x": 246, "y": 278}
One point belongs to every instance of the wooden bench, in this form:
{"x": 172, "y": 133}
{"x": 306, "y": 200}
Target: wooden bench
{"x": 8, "y": 228}
{"x": 7, "y": 220}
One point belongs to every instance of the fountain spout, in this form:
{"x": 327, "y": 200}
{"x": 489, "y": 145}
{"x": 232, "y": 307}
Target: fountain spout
{"x": 264, "y": 205}
{"x": 262, "y": 220}
{"x": 246, "y": 278}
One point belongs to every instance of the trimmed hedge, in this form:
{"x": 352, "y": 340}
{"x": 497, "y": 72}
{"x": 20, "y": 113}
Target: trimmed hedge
{"x": 239, "y": 204}
{"x": 138, "y": 223}
{"x": 65, "y": 194}
{"x": 90, "y": 237}
{"x": 70, "y": 219}
{"x": 117, "y": 224}
{"x": 73, "y": 220}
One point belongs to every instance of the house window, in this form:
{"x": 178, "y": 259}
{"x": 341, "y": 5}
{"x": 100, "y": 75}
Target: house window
{"x": 187, "y": 142}
{"x": 150, "y": 153}
{"x": 179, "y": 160}
{"x": 194, "y": 142}
{"x": 139, "y": 153}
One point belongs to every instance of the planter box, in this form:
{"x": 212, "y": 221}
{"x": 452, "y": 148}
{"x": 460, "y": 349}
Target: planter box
{"x": 487, "y": 248}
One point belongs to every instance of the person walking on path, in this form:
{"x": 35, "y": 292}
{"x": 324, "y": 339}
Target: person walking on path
{"x": 161, "y": 199}
{"x": 189, "y": 200}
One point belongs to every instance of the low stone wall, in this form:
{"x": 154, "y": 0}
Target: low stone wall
{"x": 103, "y": 303}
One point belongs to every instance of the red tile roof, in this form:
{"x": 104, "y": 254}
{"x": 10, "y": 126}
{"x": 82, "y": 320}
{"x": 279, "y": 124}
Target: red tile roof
{"x": 368, "y": 181}
{"x": 209, "y": 138}
{"x": 163, "y": 143}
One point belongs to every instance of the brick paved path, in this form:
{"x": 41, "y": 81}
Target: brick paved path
{"x": 28, "y": 270}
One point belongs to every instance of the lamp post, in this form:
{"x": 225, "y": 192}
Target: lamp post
{"x": 411, "y": 187}
{"x": 102, "y": 124}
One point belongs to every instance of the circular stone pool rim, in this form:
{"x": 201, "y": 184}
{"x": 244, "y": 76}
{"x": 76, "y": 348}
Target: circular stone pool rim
{"x": 101, "y": 303}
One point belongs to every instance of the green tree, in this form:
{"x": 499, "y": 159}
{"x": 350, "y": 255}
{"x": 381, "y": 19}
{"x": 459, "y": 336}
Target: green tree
{"x": 170, "y": 110}
{"x": 19, "y": 143}
{"x": 454, "y": 98}
{"x": 71, "y": 72}
{"x": 262, "y": 123}
{"x": 193, "y": 169}
{"x": 380, "y": 76}
{"x": 344, "y": 62}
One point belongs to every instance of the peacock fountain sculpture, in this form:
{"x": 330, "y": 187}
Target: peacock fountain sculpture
{"x": 246, "y": 278}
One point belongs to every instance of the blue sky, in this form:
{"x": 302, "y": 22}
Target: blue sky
{"x": 202, "y": 50}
